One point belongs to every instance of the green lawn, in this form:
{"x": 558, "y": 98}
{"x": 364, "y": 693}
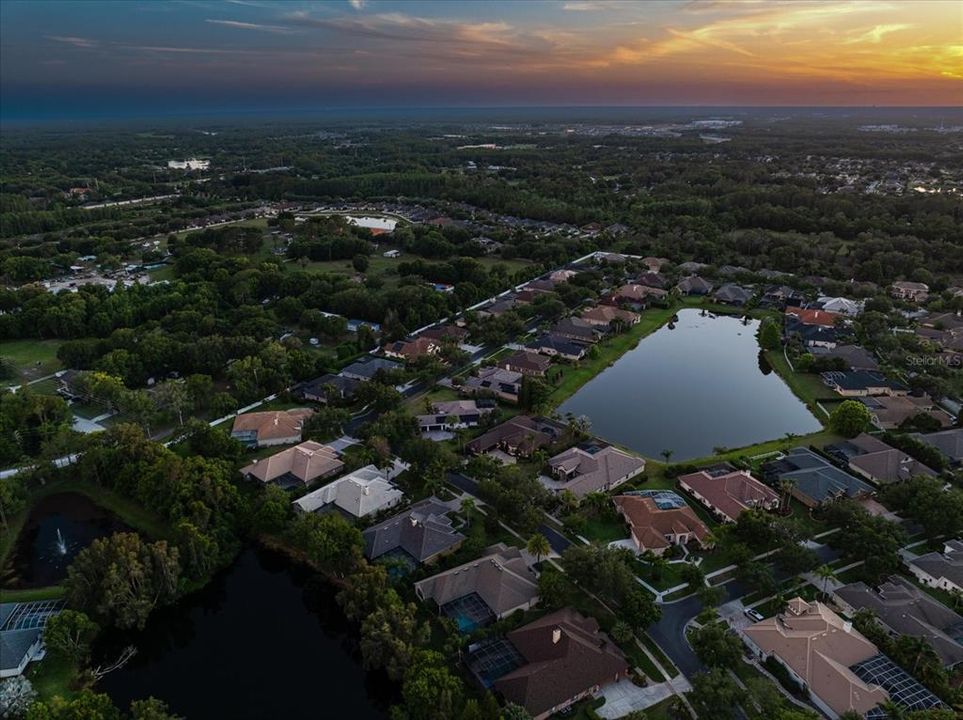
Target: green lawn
{"x": 53, "y": 676}
{"x": 808, "y": 387}
{"x": 33, "y": 359}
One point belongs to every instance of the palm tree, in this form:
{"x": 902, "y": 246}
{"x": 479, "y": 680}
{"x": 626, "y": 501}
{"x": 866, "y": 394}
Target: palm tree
{"x": 892, "y": 710}
{"x": 786, "y": 486}
{"x": 918, "y": 653}
{"x": 538, "y": 546}
{"x": 825, "y": 573}
{"x": 622, "y": 632}
{"x": 467, "y": 508}
{"x": 667, "y": 454}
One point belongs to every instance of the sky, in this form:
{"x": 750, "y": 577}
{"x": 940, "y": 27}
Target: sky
{"x": 62, "y": 59}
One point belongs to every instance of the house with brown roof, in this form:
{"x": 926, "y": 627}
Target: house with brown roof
{"x": 413, "y": 349}
{"x": 527, "y": 363}
{"x": 586, "y": 469}
{"x": 653, "y": 279}
{"x": 888, "y": 413}
{"x": 495, "y": 381}
{"x": 728, "y": 494}
{"x": 445, "y": 333}
{"x": 302, "y": 464}
{"x": 605, "y": 315}
{"x": 520, "y": 436}
{"x": 566, "y": 658}
{"x": 502, "y": 578}
{"x": 818, "y": 648}
{"x": 814, "y": 316}
{"x": 904, "y": 609}
{"x": 694, "y": 285}
{"x": 270, "y": 427}
{"x": 876, "y": 461}
{"x": 658, "y": 519}
{"x": 454, "y": 415}
{"x": 910, "y": 291}
{"x": 634, "y": 295}
{"x": 655, "y": 264}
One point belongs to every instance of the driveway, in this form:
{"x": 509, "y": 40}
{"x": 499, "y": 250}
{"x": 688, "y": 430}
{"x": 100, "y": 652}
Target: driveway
{"x": 623, "y": 697}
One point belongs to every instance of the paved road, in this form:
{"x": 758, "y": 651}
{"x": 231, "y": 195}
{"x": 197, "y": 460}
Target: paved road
{"x": 558, "y": 541}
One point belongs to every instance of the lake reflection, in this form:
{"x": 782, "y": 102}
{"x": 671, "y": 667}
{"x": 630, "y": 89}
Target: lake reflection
{"x": 698, "y": 385}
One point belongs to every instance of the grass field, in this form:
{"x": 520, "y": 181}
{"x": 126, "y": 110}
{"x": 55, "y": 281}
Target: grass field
{"x": 32, "y": 358}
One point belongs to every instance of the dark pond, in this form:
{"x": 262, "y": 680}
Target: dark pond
{"x": 263, "y": 640}
{"x": 58, "y": 528}
{"x": 690, "y": 388}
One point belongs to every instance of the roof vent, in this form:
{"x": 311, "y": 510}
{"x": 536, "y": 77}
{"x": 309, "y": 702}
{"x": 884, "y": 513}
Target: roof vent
{"x": 556, "y": 635}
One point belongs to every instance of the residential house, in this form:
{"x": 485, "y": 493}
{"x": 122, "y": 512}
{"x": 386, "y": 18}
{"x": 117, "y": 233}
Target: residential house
{"x": 499, "y": 382}
{"x": 391, "y": 253}
{"x": 863, "y": 383}
{"x": 694, "y": 285}
{"x": 497, "y": 308}
{"x": 692, "y": 267}
{"x": 733, "y": 270}
{"x": 655, "y": 264}
{"x": 566, "y": 658}
{"x": 616, "y": 229}
{"x": 812, "y": 336}
{"x": 840, "y": 305}
{"x": 328, "y": 388}
{"x": 605, "y": 315}
{"x": 653, "y": 280}
{"x": 413, "y": 349}
{"x": 910, "y": 291}
{"x": 487, "y": 244}
{"x": 271, "y": 427}
{"x": 815, "y": 481}
{"x": 659, "y": 519}
{"x": 361, "y": 493}
{"x": 855, "y": 356}
{"x": 300, "y": 465}
{"x": 421, "y": 533}
{"x": 779, "y": 296}
{"x": 948, "y": 442}
{"x": 818, "y": 648}
{"x": 527, "y": 363}
{"x": 814, "y": 316}
{"x": 889, "y": 413}
{"x": 367, "y": 368}
{"x": 634, "y": 295}
{"x": 727, "y": 493}
{"x": 21, "y": 633}
{"x": 578, "y": 330}
{"x": 732, "y": 294}
{"x": 502, "y": 578}
{"x": 519, "y": 436}
{"x": 455, "y": 415}
{"x": 558, "y": 346}
{"x": 904, "y": 609}
{"x": 943, "y": 570}
{"x": 560, "y": 276}
{"x": 591, "y": 468}
{"x": 445, "y": 333}
{"x": 872, "y": 459}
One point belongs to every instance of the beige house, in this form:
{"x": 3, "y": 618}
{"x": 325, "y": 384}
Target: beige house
{"x": 818, "y": 648}
{"x": 910, "y": 291}
{"x": 269, "y": 428}
{"x": 727, "y": 495}
{"x": 596, "y": 469}
{"x": 656, "y": 523}
{"x": 605, "y": 315}
{"x": 302, "y": 464}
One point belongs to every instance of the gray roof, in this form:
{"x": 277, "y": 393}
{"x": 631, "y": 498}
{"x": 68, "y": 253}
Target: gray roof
{"x": 856, "y": 357}
{"x": 907, "y": 610}
{"x": 873, "y": 458}
{"x": 423, "y": 531}
{"x": 21, "y": 624}
{"x": 816, "y": 477}
{"x": 732, "y": 293}
{"x": 948, "y": 442}
{"x": 559, "y": 344}
{"x": 369, "y": 366}
{"x": 947, "y": 564}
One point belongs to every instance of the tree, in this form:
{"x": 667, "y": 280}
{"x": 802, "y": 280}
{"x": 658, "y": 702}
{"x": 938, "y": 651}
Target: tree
{"x": 326, "y": 423}
{"x": 69, "y": 634}
{"x": 360, "y": 263}
{"x": 850, "y": 418}
{"x": 328, "y": 540}
{"x": 120, "y": 579}
{"x": 173, "y": 396}
{"x": 538, "y": 546}
{"x": 271, "y": 510}
{"x": 825, "y": 573}
{"x": 151, "y": 709}
{"x": 364, "y": 591}
{"x": 795, "y": 558}
{"x": 768, "y": 335}
{"x": 759, "y": 576}
{"x": 13, "y": 498}
{"x": 667, "y": 454}
{"x": 716, "y": 646}
{"x": 390, "y": 637}
{"x": 467, "y": 507}
{"x": 622, "y": 632}
{"x": 429, "y": 689}
{"x": 716, "y": 695}
{"x": 639, "y": 609}
{"x": 88, "y": 705}
{"x": 552, "y": 590}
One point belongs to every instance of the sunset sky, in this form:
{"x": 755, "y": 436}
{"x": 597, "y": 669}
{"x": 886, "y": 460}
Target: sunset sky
{"x": 72, "y": 58}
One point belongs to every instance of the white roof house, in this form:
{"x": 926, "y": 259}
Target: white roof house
{"x": 364, "y": 492}
{"x": 841, "y": 305}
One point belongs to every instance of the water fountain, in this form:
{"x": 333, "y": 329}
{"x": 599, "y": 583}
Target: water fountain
{"x": 61, "y": 543}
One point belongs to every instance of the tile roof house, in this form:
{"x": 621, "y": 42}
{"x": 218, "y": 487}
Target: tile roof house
{"x": 367, "y": 368}
{"x": 605, "y": 315}
{"x": 732, "y": 294}
{"x": 558, "y": 346}
{"x": 362, "y": 492}
{"x": 690, "y": 266}
{"x": 527, "y": 363}
{"x": 413, "y": 349}
{"x": 814, "y": 316}
{"x": 948, "y": 442}
{"x": 521, "y": 435}
{"x": 942, "y": 570}
{"x": 726, "y": 495}
{"x": 442, "y": 333}
{"x": 455, "y": 414}
{"x": 904, "y": 609}
{"x": 560, "y": 276}
{"x": 634, "y": 295}
{"x": 694, "y": 285}
{"x": 812, "y": 336}
{"x": 911, "y": 291}
{"x": 862, "y": 383}
{"x": 888, "y": 413}
{"x": 423, "y": 532}
{"x": 818, "y": 648}
{"x": 874, "y": 460}
{"x": 499, "y": 307}
{"x": 501, "y": 577}
{"x": 578, "y": 330}
{"x": 591, "y": 469}
{"x": 653, "y": 280}
{"x": 270, "y": 427}
{"x": 21, "y": 633}
{"x": 566, "y": 658}
{"x": 654, "y": 264}
{"x": 841, "y": 305}
{"x": 815, "y": 480}
{"x": 855, "y": 357}
{"x": 502, "y": 383}
{"x": 655, "y": 528}
{"x": 302, "y": 464}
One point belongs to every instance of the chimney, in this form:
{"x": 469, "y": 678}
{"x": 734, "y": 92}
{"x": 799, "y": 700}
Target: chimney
{"x": 556, "y": 635}
{"x": 847, "y": 627}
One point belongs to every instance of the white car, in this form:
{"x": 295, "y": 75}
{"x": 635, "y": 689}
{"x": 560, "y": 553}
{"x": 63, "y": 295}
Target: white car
{"x": 753, "y": 614}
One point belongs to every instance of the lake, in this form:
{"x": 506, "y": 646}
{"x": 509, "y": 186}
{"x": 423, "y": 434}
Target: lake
{"x": 41, "y": 556}
{"x": 264, "y": 639}
{"x": 690, "y": 388}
